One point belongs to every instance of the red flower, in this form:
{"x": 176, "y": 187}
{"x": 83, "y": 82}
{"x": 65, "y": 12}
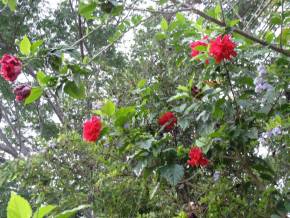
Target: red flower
{"x": 22, "y": 92}
{"x": 193, "y": 45}
{"x": 92, "y": 129}
{"x": 222, "y": 48}
{"x": 169, "y": 120}
{"x": 194, "y": 51}
{"x": 196, "y": 157}
{"x": 10, "y": 67}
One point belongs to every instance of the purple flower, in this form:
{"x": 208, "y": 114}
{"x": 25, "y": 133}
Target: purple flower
{"x": 276, "y": 131}
{"x": 262, "y": 70}
{"x": 262, "y": 141}
{"x": 267, "y": 86}
{"x": 216, "y": 176}
{"x": 267, "y": 135}
{"x": 258, "y": 80}
{"x": 259, "y": 88}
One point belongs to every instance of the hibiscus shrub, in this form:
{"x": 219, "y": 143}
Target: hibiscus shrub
{"x": 190, "y": 134}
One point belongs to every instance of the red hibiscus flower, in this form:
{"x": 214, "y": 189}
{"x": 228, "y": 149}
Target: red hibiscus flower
{"x": 92, "y": 129}
{"x": 194, "y": 51}
{"x": 222, "y": 48}
{"x": 10, "y": 67}
{"x": 22, "y": 92}
{"x": 169, "y": 120}
{"x": 196, "y": 157}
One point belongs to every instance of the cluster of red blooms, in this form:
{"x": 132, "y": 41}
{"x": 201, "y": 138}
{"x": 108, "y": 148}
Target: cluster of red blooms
{"x": 220, "y": 48}
{"x": 196, "y": 157}
{"x": 168, "y": 120}
{"x": 10, "y": 69}
{"x": 92, "y": 129}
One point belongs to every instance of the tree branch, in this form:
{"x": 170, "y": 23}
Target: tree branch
{"x": 236, "y": 30}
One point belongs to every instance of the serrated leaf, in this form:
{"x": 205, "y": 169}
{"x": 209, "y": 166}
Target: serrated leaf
{"x": 25, "y": 46}
{"x": 35, "y": 94}
{"x": 18, "y": 207}
{"x": 172, "y": 173}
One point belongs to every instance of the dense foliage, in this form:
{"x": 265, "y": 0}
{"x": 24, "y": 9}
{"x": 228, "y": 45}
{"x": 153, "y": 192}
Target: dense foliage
{"x": 144, "y": 108}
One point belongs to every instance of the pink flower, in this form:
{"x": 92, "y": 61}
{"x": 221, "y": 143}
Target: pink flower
{"x": 92, "y": 129}
{"x": 22, "y": 92}
{"x": 222, "y": 48}
{"x": 10, "y": 67}
{"x": 196, "y": 157}
{"x": 169, "y": 120}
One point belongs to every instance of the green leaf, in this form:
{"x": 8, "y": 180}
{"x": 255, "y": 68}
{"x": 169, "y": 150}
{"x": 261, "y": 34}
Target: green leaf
{"x": 146, "y": 144}
{"x": 141, "y": 83}
{"x": 86, "y": 9}
{"x": 178, "y": 96}
{"x": 12, "y": 4}
{"x": 138, "y": 169}
{"x": 108, "y": 108}
{"x": 42, "y": 78}
{"x": 180, "y": 17}
{"x": 164, "y": 24}
{"x": 160, "y": 36}
{"x": 117, "y": 10}
{"x": 217, "y": 10}
{"x": 18, "y": 207}
{"x": 35, "y": 94}
{"x": 43, "y": 211}
{"x": 123, "y": 115}
{"x": 74, "y": 91}
{"x": 25, "y": 46}
{"x": 152, "y": 194}
{"x": 172, "y": 173}
{"x": 276, "y": 19}
{"x": 70, "y": 213}
{"x": 200, "y": 48}
{"x": 234, "y": 22}
{"x": 35, "y": 45}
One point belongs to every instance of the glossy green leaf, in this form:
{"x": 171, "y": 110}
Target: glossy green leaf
{"x": 25, "y": 46}
{"x": 43, "y": 211}
{"x": 35, "y": 94}
{"x": 18, "y": 207}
